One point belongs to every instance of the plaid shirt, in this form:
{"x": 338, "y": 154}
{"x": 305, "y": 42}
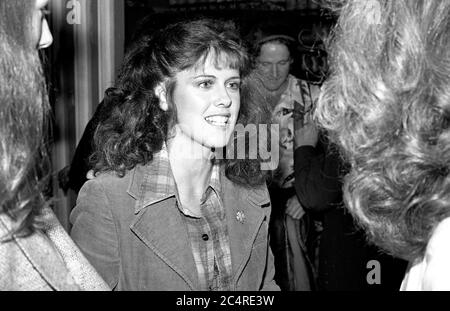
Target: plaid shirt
{"x": 208, "y": 233}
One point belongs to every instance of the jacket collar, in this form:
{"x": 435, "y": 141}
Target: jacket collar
{"x": 154, "y": 182}
{"x": 41, "y": 253}
{"x": 161, "y": 228}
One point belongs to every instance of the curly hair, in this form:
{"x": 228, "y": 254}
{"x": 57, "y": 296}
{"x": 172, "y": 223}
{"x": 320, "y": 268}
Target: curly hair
{"x": 24, "y": 107}
{"x": 387, "y": 105}
{"x": 137, "y": 127}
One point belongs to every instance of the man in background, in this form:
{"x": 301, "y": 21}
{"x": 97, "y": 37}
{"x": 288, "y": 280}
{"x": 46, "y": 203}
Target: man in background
{"x": 286, "y": 95}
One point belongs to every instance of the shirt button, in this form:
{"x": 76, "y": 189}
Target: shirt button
{"x": 205, "y": 237}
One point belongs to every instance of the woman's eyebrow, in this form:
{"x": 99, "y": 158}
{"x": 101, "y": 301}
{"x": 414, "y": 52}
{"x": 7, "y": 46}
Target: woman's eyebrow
{"x": 234, "y": 78}
{"x": 204, "y": 76}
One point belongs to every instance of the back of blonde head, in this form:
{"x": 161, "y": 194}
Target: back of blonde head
{"x": 387, "y": 105}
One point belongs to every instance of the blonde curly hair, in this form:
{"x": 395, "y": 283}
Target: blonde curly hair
{"x": 387, "y": 105}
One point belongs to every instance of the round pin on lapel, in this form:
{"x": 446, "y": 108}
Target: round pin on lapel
{"x": 240, "y": 216}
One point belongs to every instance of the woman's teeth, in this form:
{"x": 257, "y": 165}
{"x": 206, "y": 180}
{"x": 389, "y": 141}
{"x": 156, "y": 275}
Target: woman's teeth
{"x": 217, "y": 120}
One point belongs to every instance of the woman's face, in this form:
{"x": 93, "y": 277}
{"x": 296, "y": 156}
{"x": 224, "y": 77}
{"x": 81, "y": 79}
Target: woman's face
{"x": 207, "y": 100}
{"x": 41, "y": 32}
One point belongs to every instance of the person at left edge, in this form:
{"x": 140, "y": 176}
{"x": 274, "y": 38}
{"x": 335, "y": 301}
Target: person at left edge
{"x": 164, "y": 211}
{"x": 36, "y": 253}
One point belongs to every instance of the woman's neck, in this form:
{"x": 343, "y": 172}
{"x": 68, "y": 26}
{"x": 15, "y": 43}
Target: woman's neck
{"x": 191, "y": 164}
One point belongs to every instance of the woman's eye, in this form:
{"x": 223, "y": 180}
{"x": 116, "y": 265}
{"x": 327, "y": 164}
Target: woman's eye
{"x": 205, "y": 84}
{"x": 234, "y": 85}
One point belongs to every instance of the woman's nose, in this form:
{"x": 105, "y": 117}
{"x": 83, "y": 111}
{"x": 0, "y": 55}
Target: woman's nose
{"x": 223, "y": 98}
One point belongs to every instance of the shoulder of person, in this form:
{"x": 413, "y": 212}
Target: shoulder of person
{"x": 437, "y": 258}
{"x": 109, "y": 182}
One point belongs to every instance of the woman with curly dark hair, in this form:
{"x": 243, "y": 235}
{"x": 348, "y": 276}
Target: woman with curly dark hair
{"x": 167, "y": 210}
{"x": 387, "y": 105}
{"x": 35, "y": 251}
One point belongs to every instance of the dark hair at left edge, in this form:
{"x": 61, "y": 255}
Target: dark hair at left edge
{"x": 24, "y": 108}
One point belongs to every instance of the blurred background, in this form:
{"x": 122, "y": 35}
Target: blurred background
{"x": 91, "y": 36}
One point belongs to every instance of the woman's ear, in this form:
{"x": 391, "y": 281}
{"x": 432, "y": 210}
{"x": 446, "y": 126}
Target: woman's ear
{"x": 160, "y": 92}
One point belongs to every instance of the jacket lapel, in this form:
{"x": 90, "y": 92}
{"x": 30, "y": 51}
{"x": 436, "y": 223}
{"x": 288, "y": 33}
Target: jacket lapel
{"x": 159, "y": 225}
{"x": 85, "y": 276}
{"x": 161, "y": 229}
{"x": 245, "y": 216}
{"x": 44, "y": 257}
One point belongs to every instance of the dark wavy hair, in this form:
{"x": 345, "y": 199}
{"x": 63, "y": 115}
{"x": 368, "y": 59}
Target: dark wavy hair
{"x": 137, "y": 127}
{"x": 23, "y": 113}
{"x": 387, "y": 105}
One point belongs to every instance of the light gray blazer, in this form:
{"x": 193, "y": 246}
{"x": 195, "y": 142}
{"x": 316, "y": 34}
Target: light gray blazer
{"x": 46, "y": 260}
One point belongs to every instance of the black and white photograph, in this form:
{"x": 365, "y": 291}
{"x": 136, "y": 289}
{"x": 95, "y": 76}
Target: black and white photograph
{"x": 215, "y": 149}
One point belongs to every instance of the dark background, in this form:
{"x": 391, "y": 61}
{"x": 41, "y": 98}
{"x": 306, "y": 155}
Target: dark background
{"x": 294, "y": 16}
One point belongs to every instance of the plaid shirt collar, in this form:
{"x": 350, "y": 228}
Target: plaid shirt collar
{"x": 158, "y": 183}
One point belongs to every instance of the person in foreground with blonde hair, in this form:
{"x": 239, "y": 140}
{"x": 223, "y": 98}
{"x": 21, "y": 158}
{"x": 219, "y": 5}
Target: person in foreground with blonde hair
{"x": 387, "y": 105}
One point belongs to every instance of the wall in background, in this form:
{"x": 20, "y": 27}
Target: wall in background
{"x": 84, "y": 60}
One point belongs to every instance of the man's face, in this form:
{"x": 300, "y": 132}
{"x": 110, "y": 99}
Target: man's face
{"x": 274, "y": 63}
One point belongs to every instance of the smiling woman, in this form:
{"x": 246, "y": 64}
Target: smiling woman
{"x": 162, "y": 211}
{"x": 207, "y": 101}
